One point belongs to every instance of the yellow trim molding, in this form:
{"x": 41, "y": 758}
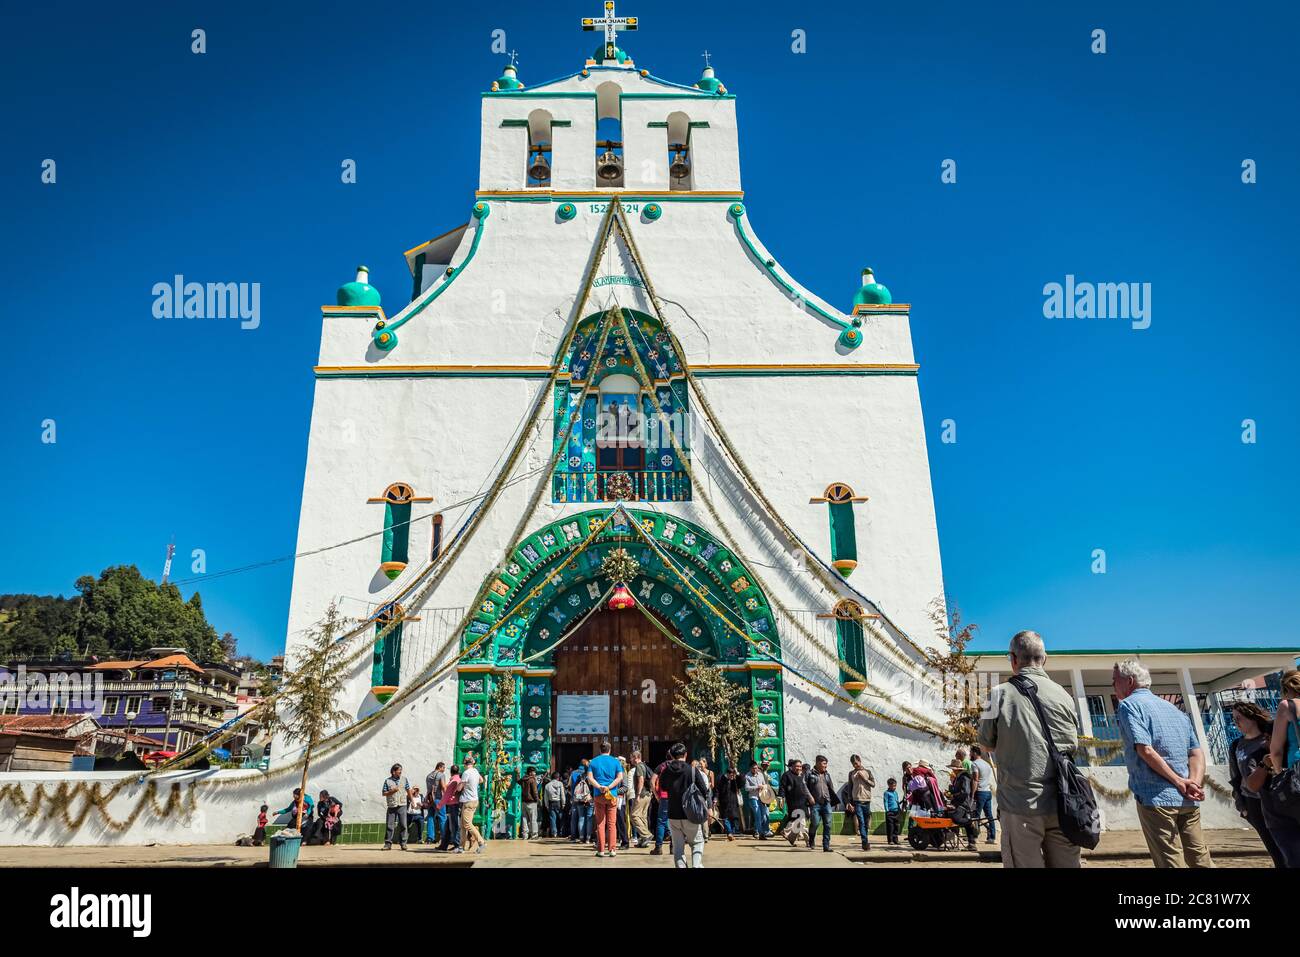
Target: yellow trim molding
{"x": 351, "y": 312}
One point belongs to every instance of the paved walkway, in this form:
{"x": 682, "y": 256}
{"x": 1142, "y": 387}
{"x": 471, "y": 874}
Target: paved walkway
{"x": 1118, "y": 849}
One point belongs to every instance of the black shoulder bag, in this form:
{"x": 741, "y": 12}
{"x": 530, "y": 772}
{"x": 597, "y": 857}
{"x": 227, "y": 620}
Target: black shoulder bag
{"x": 1076, "y": 807}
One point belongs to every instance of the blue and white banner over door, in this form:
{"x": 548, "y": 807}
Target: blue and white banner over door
{"x": 582, "y": 714}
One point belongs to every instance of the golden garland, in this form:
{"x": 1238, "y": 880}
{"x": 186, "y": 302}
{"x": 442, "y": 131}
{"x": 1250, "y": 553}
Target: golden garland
{"x": 922, "y": 720}
{"x": 442, "y": 564}
{"x": 794, "y": 540}
{"x": 1120, "y": 794}
{"x": 814, "y": 563}
{"x": 336, "y": 740}
{"x": 447, "y": 559}
{"x": 60, "y": 802}
{"x": 699, "y": 593}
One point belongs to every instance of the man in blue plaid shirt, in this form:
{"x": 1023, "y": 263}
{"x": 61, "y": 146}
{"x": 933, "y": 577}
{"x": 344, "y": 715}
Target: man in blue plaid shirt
{"x": 1166, "y": 768}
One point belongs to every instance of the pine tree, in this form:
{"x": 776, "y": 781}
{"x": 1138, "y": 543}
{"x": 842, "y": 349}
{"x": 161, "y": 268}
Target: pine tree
{"x": 717, "y": 710}
{"x": 961, "y": 703}
{"x": 307, "y": 708}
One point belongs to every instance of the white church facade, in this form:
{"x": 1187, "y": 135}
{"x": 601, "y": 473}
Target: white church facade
{"x": 606, "y": 356}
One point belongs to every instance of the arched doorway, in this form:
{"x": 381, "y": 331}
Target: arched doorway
{"x": 621, "y": 659}
{"x": 546, "y": 596}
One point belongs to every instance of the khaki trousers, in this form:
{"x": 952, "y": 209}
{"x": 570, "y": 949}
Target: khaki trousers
{"x": 1174, "y": 835}
{"x": 1035, "y": 840}
{"x": 469, "y": 832}
{"x": 640, "y": 824}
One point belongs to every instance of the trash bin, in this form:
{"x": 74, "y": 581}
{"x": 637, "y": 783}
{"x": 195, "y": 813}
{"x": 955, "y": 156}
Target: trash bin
{"x": 284, "y": 849}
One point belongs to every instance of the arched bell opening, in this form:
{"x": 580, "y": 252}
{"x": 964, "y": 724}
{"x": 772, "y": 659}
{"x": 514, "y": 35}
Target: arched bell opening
{"x": 680, "y": 161}
{"x": 609, "y": 135}
{"x": 540, "y": 155}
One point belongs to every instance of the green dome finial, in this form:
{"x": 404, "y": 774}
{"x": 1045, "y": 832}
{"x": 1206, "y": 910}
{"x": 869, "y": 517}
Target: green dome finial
{"x": 603, "y": 54}
{"x": 359, "y": 292}
{"x": 509, "y": 78}
{"x": 872, "y": 293}
{"x": 708, "y": 81}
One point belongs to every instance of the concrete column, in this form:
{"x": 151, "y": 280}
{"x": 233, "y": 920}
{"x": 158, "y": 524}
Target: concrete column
{"x": 1194, "y": 711}
{"x": 1081, "y": 702}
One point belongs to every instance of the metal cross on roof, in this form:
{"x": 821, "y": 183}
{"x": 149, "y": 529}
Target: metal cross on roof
{"x": 514, "y": 58}
{"x": 611, "y": 24}
{"x": 705, "y": 54}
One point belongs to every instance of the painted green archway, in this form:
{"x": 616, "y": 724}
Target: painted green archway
{"x": 532, "y": 625}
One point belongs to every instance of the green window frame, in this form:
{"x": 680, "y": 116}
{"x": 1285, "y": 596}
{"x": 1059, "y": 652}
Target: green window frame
{"x": 840, "y": 500}
{"x": 394, "y": 552}
{"x": 386, "y": 666}
{"x": 852, "y": 641}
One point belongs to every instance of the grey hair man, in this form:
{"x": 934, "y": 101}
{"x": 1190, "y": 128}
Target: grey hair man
{"x": 1166, "y": 768}
{"x": 1009, "y": 728}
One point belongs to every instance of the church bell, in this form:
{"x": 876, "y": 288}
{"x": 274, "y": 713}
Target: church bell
{"x": 539, "y": 170}
{"x": 609, "y": 166}
{"x": 680, "y": 167}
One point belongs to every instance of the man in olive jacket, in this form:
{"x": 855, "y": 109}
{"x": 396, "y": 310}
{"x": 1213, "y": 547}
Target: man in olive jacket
{"x": 858, "y": 793}
{"x": 1009, "y": 728}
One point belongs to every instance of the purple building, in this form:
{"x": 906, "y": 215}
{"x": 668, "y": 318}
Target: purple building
{"x": 163, "y": 695}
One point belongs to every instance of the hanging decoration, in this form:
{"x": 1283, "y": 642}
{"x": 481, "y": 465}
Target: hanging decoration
{"x": 619, "y": 566}
{"x": 621, "y": 599}
{"x": 618, "y": 487}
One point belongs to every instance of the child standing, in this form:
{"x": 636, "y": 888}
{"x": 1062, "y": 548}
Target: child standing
{"x": 892, "y": 813}
{"x": 259, "y": 835}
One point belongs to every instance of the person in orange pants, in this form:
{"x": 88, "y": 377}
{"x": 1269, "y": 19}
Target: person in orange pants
{"x": 605, "y": 775}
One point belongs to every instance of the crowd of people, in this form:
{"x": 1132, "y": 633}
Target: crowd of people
{"x": 615, "y": 803}
{"x": 1163, "y": 755}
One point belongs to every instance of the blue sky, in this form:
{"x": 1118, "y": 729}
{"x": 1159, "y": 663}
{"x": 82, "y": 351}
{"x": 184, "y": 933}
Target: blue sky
{"x": 1071, "y": 435}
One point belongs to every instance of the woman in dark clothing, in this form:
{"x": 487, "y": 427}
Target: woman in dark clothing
{"x": 1246, "y": 774}
{"x": 730, "y": 794}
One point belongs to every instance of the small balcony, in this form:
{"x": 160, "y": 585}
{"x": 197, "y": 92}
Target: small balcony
{"x": 602, "y": 486}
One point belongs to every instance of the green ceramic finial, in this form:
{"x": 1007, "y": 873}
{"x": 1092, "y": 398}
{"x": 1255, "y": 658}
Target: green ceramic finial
{"x": 872, "y": 293}
{"x": 359, "y": 292}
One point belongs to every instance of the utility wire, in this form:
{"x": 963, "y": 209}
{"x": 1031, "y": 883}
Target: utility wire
{"x": 351, "y": 541}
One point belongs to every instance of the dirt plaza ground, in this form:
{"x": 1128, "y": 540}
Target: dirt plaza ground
{"x": 1237, "y": 848}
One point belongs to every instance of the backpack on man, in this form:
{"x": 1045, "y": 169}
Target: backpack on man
{"x": 1076, "y": 806}
{"x": 695, "y": 799}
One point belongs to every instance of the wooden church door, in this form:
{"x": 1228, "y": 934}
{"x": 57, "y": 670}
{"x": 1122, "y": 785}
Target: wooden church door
{"x": 621, "y": 654}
